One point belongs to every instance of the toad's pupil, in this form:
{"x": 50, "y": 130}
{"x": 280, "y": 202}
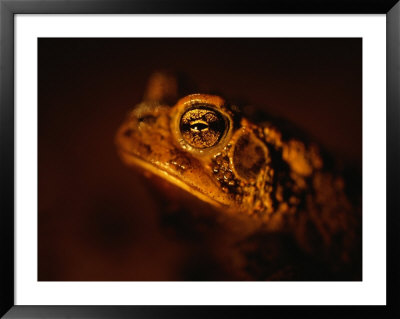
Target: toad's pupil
{"x": 198, "y": 127}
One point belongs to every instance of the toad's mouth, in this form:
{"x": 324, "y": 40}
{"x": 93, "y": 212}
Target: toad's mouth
{"x": 210, "y": 193}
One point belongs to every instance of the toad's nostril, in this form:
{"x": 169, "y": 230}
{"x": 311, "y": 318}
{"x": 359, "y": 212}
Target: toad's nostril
{"x": 128, "y": 132}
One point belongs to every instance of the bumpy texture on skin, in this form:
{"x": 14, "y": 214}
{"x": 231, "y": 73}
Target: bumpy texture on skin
{"x": 270, "y": 182}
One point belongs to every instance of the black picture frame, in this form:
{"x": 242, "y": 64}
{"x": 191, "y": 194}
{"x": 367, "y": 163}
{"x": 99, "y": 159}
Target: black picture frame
{"x": 8, "y": 10}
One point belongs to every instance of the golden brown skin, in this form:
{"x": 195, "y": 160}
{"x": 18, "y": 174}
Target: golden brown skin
{"x": 249, "y": 171}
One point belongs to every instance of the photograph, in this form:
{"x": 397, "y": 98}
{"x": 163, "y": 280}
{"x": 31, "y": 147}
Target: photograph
{"x": 200, "y": 159}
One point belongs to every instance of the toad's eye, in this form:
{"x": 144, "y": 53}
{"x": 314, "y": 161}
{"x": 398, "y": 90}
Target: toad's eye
{"x": 202, "y": 127}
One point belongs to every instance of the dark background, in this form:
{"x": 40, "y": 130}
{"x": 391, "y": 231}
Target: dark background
{"x": 99, "y": 220}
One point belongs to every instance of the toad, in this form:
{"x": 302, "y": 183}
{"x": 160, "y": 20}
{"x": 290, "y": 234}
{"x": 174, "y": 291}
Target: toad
{"x": 270, "y": 181}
